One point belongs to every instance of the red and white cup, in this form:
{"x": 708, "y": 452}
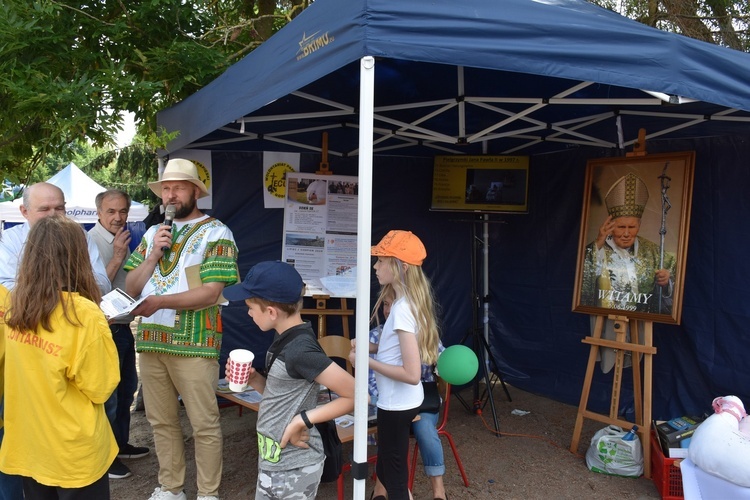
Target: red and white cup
{"x": 240, "y": 361}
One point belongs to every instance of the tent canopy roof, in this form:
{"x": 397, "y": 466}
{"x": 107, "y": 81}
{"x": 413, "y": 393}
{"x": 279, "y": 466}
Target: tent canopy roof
{"x": 522, "y": 77}
{"x": 80, "y": 192}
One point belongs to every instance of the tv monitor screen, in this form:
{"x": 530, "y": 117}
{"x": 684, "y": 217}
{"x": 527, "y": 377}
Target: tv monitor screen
{"x": 486, "y": 184}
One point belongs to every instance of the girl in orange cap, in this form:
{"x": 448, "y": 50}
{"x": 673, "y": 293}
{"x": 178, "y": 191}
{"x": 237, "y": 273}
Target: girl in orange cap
{"x": 410, "y": 338}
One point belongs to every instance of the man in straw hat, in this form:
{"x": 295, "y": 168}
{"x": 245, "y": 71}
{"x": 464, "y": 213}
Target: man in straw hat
{"x": 622, "y": 270}
{"x": 181, "y": 270}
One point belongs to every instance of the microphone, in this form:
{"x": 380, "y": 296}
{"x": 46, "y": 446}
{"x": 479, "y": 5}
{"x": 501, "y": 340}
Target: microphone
{"x": 168, "y": 219}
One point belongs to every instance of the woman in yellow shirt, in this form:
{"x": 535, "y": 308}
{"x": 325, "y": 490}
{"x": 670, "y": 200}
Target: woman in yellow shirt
{"x": 61, "y": 365}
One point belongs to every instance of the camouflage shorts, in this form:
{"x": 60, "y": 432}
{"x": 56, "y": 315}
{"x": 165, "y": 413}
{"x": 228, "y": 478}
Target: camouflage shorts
{"x": 295, "y": 484}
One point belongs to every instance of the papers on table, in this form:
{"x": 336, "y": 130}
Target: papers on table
{"x": 345, "y": 421}
{"x": 249, "y": 395}
{"x": 343, "y": 286}
{"x": 118, "y": 304}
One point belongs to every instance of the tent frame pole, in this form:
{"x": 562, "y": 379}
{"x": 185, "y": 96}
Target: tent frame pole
{"x": 364, "y": 236}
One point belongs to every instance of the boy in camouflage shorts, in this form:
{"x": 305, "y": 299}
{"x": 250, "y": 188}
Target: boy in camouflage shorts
{"x": 291, "y": 456}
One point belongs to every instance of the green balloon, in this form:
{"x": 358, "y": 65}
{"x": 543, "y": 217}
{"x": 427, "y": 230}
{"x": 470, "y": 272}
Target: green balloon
{"x": 458, "y": 365}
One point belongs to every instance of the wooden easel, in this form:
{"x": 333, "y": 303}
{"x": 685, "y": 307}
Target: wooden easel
{"x": 641, "y": 389}
{"x": 323, "y": 167}
{"x": 322, "y": 312}
{"x": 321, "y": 301}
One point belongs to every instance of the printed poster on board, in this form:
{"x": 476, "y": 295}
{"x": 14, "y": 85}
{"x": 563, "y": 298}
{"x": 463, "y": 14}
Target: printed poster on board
{"x": 320, "y": 231}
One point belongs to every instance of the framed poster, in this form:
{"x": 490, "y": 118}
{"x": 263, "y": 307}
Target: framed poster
{"x": 634, "y": 233}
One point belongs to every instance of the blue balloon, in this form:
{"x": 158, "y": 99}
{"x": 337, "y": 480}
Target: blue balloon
{"x": 458, "y": 365}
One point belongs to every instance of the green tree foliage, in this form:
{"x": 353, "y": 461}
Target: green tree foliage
{"x": 67, "y": 68}
{"x": 128, "y": 169}
{"x": 721, "y": 22}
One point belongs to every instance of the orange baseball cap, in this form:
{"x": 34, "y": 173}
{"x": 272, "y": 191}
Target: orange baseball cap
{"x": 403, "y": 245}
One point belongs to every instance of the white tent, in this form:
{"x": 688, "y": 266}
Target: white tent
{"x": 80, "y": 191}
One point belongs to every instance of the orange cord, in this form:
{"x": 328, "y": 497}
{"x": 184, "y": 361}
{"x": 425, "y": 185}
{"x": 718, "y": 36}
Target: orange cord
{"x": 532, "y": 436}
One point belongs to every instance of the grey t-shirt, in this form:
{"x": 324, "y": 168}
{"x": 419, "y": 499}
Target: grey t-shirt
{"x": 290, "y": 388}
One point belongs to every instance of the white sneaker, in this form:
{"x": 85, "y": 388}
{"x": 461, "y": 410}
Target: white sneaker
{"x": 209, "y": 497}
{"x": 162, "y": 494}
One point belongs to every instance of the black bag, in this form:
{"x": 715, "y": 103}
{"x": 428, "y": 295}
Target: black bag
{"x": 332, "y": 447}
{"x": 431, "y": 402}
{"x": 334, "y": 461}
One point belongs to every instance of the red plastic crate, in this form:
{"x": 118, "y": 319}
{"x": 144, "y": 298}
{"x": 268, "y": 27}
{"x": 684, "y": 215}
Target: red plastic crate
{"x": 666, "y": 475}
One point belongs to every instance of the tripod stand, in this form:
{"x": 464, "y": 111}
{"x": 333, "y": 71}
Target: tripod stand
{"x": 480, "y": 331}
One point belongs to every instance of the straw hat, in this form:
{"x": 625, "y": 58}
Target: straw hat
{"x": 179, "y": 170}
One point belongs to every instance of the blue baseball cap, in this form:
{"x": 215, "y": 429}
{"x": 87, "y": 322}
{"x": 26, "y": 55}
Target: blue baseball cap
{"x": 274, "y": 281}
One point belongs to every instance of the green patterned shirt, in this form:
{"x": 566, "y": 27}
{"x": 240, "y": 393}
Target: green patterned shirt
{"x": 203, "y": 251}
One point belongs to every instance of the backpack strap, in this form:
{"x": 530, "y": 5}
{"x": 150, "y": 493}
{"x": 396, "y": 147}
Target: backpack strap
{"x": 280, "y": 347}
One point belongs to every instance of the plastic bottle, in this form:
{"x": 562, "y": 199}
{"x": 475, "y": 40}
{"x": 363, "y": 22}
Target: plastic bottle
{"x": 631, "y": 435}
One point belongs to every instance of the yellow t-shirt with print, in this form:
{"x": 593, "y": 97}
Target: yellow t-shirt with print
{"x": 56, "y": 430}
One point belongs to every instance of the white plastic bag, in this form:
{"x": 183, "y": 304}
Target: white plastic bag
{"x": 610, "y": 454}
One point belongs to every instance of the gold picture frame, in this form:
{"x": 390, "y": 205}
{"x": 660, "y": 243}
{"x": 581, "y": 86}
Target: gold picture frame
{"x": 631, "y": 235}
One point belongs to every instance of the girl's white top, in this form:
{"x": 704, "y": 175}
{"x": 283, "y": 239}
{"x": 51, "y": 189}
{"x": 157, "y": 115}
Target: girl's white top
{"x": 394, "y": 395}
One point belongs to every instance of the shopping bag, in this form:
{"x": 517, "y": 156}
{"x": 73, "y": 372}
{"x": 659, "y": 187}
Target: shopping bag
{"x": 609, "y": 453}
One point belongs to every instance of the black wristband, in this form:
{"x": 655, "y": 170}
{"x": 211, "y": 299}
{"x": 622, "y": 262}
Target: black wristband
{"x": 306, "y": 420}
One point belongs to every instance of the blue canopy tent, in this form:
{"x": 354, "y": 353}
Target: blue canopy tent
{"x": 562, "y": 81}
{"x": 511, "y": 73}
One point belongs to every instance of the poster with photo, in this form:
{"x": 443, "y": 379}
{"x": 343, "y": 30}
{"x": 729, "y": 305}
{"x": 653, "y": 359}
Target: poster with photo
{"x": 320, "y": 231}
